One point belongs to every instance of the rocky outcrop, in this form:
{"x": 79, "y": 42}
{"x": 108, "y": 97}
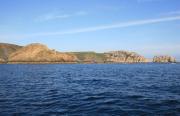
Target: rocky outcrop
{"x": 124, "y": 57}
{"x": 2, "y": 60}
{"x": 40, "y": 53}
{"x": 6, "y": 50}
{"x": 164, "y": 59}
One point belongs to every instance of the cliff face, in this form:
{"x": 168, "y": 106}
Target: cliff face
{"x": 39, "y": 53}
{"x": 165, "y": 59}
{"x": 124, "y": 57}
{"x": 6, "y": 50}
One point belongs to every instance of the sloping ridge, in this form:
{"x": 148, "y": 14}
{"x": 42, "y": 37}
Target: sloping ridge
{"x": 6, "y": 50}
{"x": 40, "y": 53}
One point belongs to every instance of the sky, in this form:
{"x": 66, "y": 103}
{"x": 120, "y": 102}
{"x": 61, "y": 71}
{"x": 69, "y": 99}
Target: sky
{"x": 148, "y": 27}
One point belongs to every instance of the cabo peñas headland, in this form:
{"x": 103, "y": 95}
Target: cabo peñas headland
{"x": 37, "y": 53}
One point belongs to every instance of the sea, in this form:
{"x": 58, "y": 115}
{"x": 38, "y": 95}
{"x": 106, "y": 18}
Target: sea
{"x": 90, "y": 89}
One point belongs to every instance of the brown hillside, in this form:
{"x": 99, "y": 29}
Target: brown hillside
{"x": 6, "y": 50}
{"x": 40, "y": 53}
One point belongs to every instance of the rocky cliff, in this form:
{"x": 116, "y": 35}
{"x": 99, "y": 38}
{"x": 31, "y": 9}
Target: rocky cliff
{"x": 124, "y": 57}
{"x": 165, "y": 59}
{"x": 40, "y": 53}
{"x": 6, "y": 50}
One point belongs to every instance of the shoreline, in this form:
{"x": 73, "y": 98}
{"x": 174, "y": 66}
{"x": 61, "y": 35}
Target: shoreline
{"x": 88, "y": 63}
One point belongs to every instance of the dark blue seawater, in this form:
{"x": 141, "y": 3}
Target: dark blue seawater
{"x": 90, "y": 89}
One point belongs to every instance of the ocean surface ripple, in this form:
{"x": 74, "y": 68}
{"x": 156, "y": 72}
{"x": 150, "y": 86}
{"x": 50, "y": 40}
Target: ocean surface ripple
{"x": 90, "y": 89}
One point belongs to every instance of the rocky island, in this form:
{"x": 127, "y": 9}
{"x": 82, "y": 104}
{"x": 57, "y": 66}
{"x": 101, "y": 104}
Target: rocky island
{"x": 164, "y": 59}
{"x": 40, "y": 54}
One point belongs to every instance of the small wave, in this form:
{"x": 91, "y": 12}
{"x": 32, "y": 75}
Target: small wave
{"x": 44, "y": 104}
{"x": 170, "y": 102}
{"x": 92, "y": 98}
{"x": 135, "y": 96}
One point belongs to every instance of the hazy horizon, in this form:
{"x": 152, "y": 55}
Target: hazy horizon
{"x": 148, "y": 27}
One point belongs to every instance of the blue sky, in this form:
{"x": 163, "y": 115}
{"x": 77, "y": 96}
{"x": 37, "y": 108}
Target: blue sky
{"x": 149, "y": 27}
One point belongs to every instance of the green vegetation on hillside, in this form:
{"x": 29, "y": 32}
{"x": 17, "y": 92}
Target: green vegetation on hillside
{"x": 90, "y": 57}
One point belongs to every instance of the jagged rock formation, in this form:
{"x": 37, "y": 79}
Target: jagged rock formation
{"x": 40, "y": 53}
{"x": 124, "y": 57}
{"x": 164, "y": 59}
{"x": 6, "y": 50}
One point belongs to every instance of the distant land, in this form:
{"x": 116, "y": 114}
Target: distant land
{"x": 37, "y": 53}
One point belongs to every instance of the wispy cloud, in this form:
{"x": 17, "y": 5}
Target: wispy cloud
{"x": 102, "y": 27}
{"x": 53, "y": 16}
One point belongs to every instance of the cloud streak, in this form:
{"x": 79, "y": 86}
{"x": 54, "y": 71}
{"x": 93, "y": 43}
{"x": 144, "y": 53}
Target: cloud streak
{"x": 111, "y": 26}
{"x": 99, "y": 28}
{"x": 53, "y": 16}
